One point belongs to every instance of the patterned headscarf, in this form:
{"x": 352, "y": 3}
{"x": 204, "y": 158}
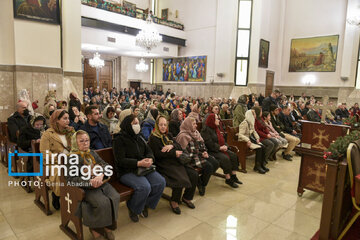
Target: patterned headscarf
{"x": 86, "y": 155}
{"x": 68, "y": 131}
{"x": 163, "y": 136}
{"x": 187, "y": 133}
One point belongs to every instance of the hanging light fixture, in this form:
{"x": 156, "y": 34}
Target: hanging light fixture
{"x": 148, "y": 37}
{"x": 96, "y": 61}
{"x": 142, "y": 66}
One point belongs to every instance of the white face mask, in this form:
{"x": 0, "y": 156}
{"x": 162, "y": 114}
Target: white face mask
{"x": 136, "y": 128}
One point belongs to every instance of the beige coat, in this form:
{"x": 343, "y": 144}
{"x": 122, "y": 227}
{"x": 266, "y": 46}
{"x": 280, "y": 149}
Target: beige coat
{"x": 245, "y": 130}
{"x": 50, "y": 141}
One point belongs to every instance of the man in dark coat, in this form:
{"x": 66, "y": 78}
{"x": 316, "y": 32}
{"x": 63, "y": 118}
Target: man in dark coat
{"x": 342, "y": 112}
{"x": 271, "y": 100}
{"x": 99, "y": 134}
{"x": 18, "y": 120}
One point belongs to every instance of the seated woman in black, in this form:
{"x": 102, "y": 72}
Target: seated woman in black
{"x": 30, "y": 132}
{"x": 217, "y": 147}
{"x": 99, "y": 209}
{"x": 176, "y": 118}
{"x": 132, "y": 156}
{"x": 178, "y": 174}
{"x": 191, "y": 141}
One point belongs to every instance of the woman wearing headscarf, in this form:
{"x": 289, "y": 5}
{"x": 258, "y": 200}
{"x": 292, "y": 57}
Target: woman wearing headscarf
{"x": 133, "y": 163}
{"x": 148, "y": 124}
{"x": 248, "y": 134}
{"x": 191, "y": 141}
{"x": 265, "y": 137}
{"x": 215, "y": 143}
{"x": 162, "y": 110}
{"x": 177, "y": 173}
{"x": 195, "y": 113}
{"x": 267, "y": 120}
{"x": 57, "y": 139}
{"x": 77, "y": 118}
{"x": 142, "y": 113}
{"x": 99, "y": 209}
{"x": 239, "y": 110}
{"x": 33, "y": 131}
{"x": 74, "y": 102}
{"x": 176, "y": 119}
{"x": 109, "y": 120}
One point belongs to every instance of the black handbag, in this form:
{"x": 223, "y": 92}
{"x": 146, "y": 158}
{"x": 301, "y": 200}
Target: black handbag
{"x": 184, "y": 158}
{"x": 253, "y": 138}
{"x": 143, "y": 171}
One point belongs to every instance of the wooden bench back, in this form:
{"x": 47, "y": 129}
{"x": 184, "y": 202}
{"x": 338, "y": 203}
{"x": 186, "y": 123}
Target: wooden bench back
{"x": 125, "y": 192}
{"x": 227, "y": 122}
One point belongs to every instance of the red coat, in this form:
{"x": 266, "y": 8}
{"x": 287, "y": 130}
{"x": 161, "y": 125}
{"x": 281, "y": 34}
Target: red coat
{"x": 261, "y": 129}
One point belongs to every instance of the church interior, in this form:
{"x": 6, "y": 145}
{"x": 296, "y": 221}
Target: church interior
{"x": 215, "y": 119}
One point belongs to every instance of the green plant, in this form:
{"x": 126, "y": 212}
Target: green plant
{"x": 338, "y": 148}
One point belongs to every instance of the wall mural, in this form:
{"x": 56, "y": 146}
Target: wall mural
{"x": 316, "y": 54}
{"x": 37, "y": 10}
{"x": 185, "y": 69}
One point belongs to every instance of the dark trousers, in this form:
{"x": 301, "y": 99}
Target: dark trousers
{"x": 189, "y": 192}
{"x": 208, "y": 168}
{"x": 271, "y": 146}
{"x": 228, "y": 162}
{"x": 148, "y": 190}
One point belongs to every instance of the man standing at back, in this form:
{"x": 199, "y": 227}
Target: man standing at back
{"x": 18, "y": 120}
{"x": 99, "y": 134}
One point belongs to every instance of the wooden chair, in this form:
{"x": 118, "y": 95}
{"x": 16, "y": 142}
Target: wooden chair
{"x": 41, "y": 189}
{"x": 71, "y": 196}
{"x": 353, "y": 160}
{"x": 22, "y": 166}
{"x": 199, "y": 126}
{"x": 243, "y": 150}
{"x": 3, "y": 148}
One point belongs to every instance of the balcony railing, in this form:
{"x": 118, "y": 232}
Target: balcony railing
{"x": 131, "y": 12}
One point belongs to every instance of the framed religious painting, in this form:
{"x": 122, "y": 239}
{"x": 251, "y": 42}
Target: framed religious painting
{"x": 185, "y": 69}
{"x": 43, "y": 11}
{"x": 314, "y": 54}
{"x": 264, "y": 53}
{"x": 164, "y": 13}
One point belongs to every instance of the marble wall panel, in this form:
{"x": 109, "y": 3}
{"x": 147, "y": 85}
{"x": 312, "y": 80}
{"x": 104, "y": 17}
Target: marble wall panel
{"x": 7, "y": 100}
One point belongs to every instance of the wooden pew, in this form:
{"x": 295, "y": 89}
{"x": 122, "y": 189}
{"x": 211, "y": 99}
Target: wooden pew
{"x": 22, "y": 166}
{"x": 199, "y": 126}
{"x": 227, "y": 122}
{"x": 41, "y": 190}
{"x": 243, "y": 151}
{"x": 3, "y": 149}
{"x": 71, "y": 196}
{"x": 11, "y": 148}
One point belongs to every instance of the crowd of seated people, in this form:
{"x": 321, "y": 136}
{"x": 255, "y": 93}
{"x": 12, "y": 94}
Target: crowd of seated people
{"x": 163, "y": 140}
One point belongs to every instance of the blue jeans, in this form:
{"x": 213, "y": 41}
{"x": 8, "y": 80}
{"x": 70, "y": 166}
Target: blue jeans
{"x": 147, "y": 190}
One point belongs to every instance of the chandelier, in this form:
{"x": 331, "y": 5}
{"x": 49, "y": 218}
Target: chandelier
{"x": 141, "y": 66}
{"x": 148, "y": 37}
{"x": 96, "y": 61}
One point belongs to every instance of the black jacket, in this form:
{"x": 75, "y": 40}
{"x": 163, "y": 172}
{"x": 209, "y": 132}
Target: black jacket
{"x": 174, "y": 127}
{"x": 340, "y": 114}
{"x": 27, "y": 134}
{"x": 211, "y": 140}
{"x": 267, "y": 102}
{"x": 128, "y": 150}
{"x": 313, "y": 116}
{"x": 15, "y": 123}
{"x": 102, "y": 135}
{"x": 286, "y": 126}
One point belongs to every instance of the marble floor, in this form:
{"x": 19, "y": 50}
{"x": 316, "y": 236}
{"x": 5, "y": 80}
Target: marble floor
{"x": 264, "y": 207}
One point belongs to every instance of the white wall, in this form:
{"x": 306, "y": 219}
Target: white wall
{"x": 308, "y": 18}
{"x": 71, "y": 35}
{"x": 37, "y": 44}
{"x": 210, "y": 27}
{"x": 7, "y": 54}
{"x": 132, "y": 74}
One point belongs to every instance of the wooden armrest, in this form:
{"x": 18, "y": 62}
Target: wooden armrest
{"x": 357, "y": 189}
{"x": 234, "y": 149}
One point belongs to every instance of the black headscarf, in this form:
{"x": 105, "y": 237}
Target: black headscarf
{"x": 126, "y": 125}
